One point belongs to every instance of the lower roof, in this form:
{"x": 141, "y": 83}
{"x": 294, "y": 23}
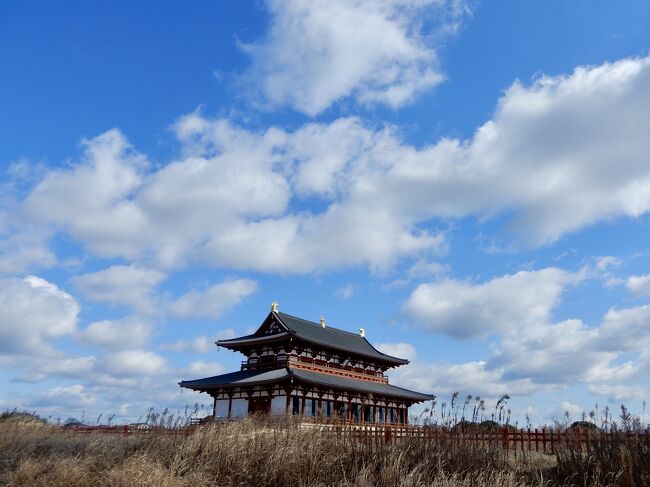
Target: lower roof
{"x": 256, "y": 377}
{"x": 338, "y": 382}
{"x": 236, "y": 379}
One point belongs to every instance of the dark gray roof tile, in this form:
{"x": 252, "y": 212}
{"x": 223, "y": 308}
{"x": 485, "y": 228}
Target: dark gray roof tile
{"x": 349, "y": 384}
{"x": 334, "y": 338}
{"x": 240, "y": 378}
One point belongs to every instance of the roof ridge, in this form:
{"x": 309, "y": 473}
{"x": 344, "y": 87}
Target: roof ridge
{"x": 319, "y": 326}
{"x": 357, "y": 335}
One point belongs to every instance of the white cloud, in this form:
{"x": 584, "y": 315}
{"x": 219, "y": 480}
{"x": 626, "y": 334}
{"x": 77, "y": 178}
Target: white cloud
{"x": 133, "y": 363}
{"x": 75, "y": 396}
{"x": 378, "y": 197}
{"x": 618, "y": 393}
{"x": 400, "y": 350}
{"x": 469, "y": 378}
{"x": 626, "y": 329}
{"x": 531, "y": 352}
{"x": 37, "y": 370}
{"x": 319, "y": 52}
{"x": 105, "y": 383}
{"x": 24, "y": 250}
{"x": 203, "y": 369}
{"x": 117, "y": 334}
{"x": 605, "y": 262}
{"x": 503, "y": 304}
{"x": 32, "y": 312}
{"x": 92, "y": 200}
{"x": 213, "y": 301}
{"x": 201, "y": 344}
{"x": 568, "y": 407}
{"x": 546, "y": 354}
{"x": 121, "y": 285}
{"x": 639, "y": 285}
{"x": 345, "y": 292}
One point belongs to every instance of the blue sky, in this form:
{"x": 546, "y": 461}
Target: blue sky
{"x": 468, "y": 181}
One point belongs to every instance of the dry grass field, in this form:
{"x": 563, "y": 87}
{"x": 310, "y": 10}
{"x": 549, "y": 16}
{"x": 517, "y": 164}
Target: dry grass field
{"x": 257, "y": 452}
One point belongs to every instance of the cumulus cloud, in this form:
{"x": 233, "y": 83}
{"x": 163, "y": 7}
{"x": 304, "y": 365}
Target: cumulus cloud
{"x": 117, "y": 334}
{"x": 75, "y": 396}
{"x": 618, "y": 393}
{"x": 34, "y": 311}
{"x": 503, "y": 304}
{"x": 547, "y": 353}
{"x": 531, "y": 352}
{"x": 378, "y": 198}
{"x": 319, "y": 52}
{"x": 627, "y": 328}
{"x": 568, "y": 407}
{"x": 639, "y": 285}
{"x": 400, "y": 349}
{"x": 213, "y": 301}
{"x": 24, "y": 250}
{"x": 121, "y": 285}
{"x": 133, "y": 363}
{"x": 469, "y": 377}
{"x": 92, "y": 200}
{"x": 345, "y": 292}
{"x": 203, "y": 369}
{"x": 201, "y": 344}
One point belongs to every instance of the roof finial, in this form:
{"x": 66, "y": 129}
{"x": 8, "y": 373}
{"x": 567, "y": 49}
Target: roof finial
{"x": 274, "y": 307}
{"x": 362, "y": 332}
{"x": 322, "y": 321}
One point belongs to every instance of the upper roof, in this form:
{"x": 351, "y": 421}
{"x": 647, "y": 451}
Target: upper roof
{"x": 314, "y": 333}
{"x": 256, "y": 377}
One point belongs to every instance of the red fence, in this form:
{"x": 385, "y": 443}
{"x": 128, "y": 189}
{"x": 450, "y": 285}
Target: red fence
{"x": 129, "y": 429}
{"x": 538, "y": 440}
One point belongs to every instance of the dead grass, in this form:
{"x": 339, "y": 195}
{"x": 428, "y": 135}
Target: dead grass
{"x": 270, "y": 453}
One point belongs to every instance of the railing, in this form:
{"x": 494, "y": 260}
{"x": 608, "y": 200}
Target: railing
{"x": 316, "y": 364}
{"x": 542, "y": 440}
{"x": 539, "y": 440}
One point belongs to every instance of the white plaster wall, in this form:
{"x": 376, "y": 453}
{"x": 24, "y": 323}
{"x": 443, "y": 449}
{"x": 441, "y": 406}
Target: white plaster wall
{"x": 278, "y": 404}
{"x": 239, "y": 408}
{"x": 221, "y": 410}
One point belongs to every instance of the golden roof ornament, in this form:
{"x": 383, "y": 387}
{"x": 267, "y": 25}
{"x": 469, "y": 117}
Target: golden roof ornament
{"x": 322, "y": 321}
{"x": 274, "y": 307}
{"x": 362, "y": 332}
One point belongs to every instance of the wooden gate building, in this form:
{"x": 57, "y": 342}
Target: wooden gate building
{"x": 301, "y": 368}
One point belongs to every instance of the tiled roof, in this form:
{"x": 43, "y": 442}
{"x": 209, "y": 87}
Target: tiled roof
{"x": 240, "y": 378}
{"x": 347, "y": 384}
{"x": 251, "y": 377}
{"x": 311, "y": 332}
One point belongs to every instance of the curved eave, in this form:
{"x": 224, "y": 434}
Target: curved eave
{"x": 388, "y": 358}
{"x": 243, "y": 378}
{"x": 393, "y": 361}
{"x": 252, "y": 340}
{"x": 297, "y": 326}
{"x": 345, "y": 384}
